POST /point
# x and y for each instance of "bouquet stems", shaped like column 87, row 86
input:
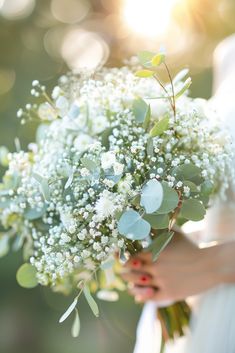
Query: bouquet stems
column 173, row 319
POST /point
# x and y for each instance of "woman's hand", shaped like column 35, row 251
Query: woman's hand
column 181, row 270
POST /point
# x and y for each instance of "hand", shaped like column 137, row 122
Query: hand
column 181, row 270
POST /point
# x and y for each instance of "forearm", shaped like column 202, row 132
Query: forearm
column 219, row 261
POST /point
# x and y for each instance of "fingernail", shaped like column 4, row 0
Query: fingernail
column 136, row 263
column 144, row 279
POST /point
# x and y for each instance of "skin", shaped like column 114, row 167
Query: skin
column 182, row 270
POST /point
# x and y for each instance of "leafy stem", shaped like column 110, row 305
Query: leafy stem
column 172, row 88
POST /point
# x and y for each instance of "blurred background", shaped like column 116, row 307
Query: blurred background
column 41, row 39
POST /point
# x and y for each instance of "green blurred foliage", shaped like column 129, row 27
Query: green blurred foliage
column 29, row 318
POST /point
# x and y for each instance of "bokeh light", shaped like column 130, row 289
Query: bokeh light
column 70, row 11
column 148, row 18
column 16, row 9
column 81, row 49
column 7, row 79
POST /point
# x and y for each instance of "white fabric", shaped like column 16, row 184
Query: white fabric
column 213, row 323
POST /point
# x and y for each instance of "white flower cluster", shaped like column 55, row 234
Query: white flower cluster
column 92, row 157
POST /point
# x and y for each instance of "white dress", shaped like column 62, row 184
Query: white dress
column 213, row 322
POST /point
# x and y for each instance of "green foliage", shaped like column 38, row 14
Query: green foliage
column 188, row 172
column 160, row 126
column 157, row 221
column 158, row 59
column 89, row 164
column 151, row 196
column 76, row 325
column 186, row 86
column 69, row 310
column 26, row 276
column 132, row 226
column 159, row 244
column 3, row 156
column 33, row 213
column 192, row 210
column 207, row 187
column 141, row 111
column 43, row 186
column 180, row 75
column 4, row 244
column 145, row 58
column 150, row 147
column 91, row 301
column 170, row 199
column 191, row 185
column 144, row 73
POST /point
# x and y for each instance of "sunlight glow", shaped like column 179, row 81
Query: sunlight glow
column 148, row 18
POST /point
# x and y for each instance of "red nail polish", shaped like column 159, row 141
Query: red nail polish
column 136, row 263
column 144, row 279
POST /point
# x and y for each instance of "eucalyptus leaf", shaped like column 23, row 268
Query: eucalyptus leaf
column 150, row 147
column 89, row 164
column 159, row 244
column 145, row 58
column 43, row 185
column 180, row 75
column 26, row 276
column 74, row 111
column 107, row 264
column 159, row 127
column 170, row 199
column 105, row 137
column 76, row 325
column 191, row 185
column 91, row 301
column 184, row 88
column 188, row 172
column 207, row 187
column 34, row 213
column 157, row 59
column 192, row 210
column 69, row 181
column 141, row 110
column 4, row 156
column 4, row 244
column 144, row 73
column 151, row 196
column 132, row 226
column 157, row 221
column 108, row 295
column 69, row 310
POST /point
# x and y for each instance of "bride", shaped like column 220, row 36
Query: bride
column 184, row 269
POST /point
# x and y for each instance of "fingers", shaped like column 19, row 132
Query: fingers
column 138, row 278
column 142, row 264
column 143, row 294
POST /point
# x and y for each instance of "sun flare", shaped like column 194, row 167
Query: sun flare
column 148, row 18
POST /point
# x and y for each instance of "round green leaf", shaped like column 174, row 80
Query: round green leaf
column 170, row 199
column 151, row 196
column 157, row 221
column 132, row 226
column 207, row 187
column 26, row 276
column 189, row 172
column 192, row 210
column 141, row 110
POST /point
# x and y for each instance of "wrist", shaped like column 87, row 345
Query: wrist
column 226, row 261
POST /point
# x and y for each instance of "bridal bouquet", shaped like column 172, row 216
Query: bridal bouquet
column 119, row 159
